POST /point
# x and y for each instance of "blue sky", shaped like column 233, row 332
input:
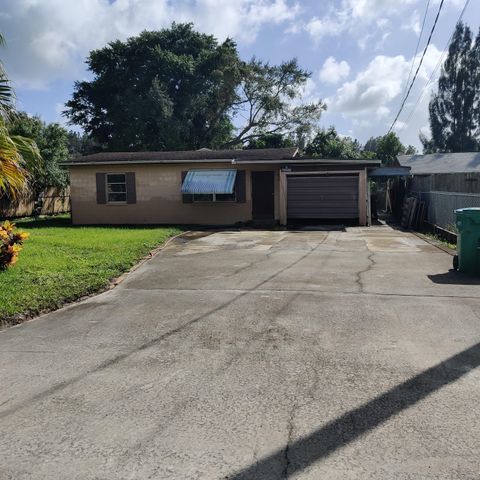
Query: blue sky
column 359, row 51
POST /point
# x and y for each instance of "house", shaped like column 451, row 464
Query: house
column 444, row 182
column 217, row 187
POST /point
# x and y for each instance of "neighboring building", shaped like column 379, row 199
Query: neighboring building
column 441, row 163
column 445, row 182
column 217, row 187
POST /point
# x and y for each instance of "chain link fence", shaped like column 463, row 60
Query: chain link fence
column 442, row 205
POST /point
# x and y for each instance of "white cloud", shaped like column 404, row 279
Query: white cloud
column 371, row 100
column 414, row 23
column 380, row 83
column 356, row 17
column 333, row 72
column 49, row 39
column 372, row 88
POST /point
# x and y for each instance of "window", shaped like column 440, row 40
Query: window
column 116, row 188
column 214, row 197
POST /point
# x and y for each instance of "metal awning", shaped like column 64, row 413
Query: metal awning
column 209, row 181
column 389, row 172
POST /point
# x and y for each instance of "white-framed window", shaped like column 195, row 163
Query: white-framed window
column 116, row 187
column 215, row 197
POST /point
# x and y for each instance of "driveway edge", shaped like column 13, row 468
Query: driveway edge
column 21, row 318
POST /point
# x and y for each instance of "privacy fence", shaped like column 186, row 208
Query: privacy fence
column 53, row 201
column 442, row 205
column 443, row 193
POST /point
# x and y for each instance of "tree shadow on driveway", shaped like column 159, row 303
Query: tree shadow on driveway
column 302, row 453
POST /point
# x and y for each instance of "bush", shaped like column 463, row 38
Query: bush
column 11, row 240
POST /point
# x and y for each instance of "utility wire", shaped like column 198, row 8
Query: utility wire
column 440, row 62
column 416, row 50
column 418, row 68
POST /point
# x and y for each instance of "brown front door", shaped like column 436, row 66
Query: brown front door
column 263, row 196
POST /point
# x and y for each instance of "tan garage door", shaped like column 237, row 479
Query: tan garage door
column 327, row 197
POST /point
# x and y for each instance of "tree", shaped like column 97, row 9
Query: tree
column 165, row 90
column 327, row 143
column 180, row 89
column 475, row 62
column 269, row 100
column 453, row 123
column 52, row 142
column 371, row 145
column 81, row 144
column 17, row 154
column 410, row 150
column 272, row 140
column 389, row 147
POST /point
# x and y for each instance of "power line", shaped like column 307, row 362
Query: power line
column 416, row 50
column 440, row 62
column 418, row 68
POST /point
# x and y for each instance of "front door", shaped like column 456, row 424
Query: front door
column 263, row 196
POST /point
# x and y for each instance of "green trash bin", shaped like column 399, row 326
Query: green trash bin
column 468, row 241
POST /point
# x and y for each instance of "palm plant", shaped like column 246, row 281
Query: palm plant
column 18, row 155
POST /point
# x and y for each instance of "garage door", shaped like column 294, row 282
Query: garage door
column 317, row 197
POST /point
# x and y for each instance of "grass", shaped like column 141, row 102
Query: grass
column 60, row 262
column 432, row 236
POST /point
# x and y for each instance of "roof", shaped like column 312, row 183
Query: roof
column 287, row 155
column 442, row 162
column 201, row 156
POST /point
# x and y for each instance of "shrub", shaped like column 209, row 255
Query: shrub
column 11, row 240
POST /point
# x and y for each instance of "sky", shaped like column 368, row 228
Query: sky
column 360, row 52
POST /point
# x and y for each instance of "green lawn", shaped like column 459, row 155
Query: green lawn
column 60, row 262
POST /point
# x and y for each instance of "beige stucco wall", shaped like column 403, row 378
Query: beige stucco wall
column 159, row 199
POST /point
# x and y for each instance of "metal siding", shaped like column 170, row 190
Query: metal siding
column 329, row 197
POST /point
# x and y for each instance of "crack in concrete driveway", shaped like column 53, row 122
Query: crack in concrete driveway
column 294, row 356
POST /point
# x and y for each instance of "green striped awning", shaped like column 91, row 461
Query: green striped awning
column 209, row 181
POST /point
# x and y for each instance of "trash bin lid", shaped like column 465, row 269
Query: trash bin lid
column 469, row 212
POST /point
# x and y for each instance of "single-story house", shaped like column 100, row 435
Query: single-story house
column 217, row 187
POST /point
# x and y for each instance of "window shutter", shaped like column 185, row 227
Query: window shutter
column 131, row 187
column 186, row 197
column 240, row 187
column 101, row 188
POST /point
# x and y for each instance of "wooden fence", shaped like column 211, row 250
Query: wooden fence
column 443, row 193
column 54, row 201
column 447, row 182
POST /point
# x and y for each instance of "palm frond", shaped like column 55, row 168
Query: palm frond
column 18, row 157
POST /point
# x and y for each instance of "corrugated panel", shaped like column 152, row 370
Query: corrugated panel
column 209, row 181
column 442, row 162
column 389, row 172
column 313, row 197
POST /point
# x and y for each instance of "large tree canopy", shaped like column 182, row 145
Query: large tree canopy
column 180, row 89
column 170, row 89
column 455, row 108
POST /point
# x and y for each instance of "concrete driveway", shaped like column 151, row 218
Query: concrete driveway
column 254, row 355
